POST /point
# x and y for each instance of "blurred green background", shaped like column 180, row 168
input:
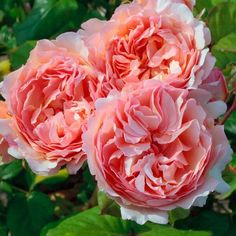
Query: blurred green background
column 63, row 205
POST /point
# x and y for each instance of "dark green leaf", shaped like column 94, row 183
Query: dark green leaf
column 211, row 221
column 230, row 178
column 48, row 17
column 11, row 170
column 233, row 162
column 27, row 215
column 230, row 124
column 7, row 40
column 21, row 54
column 3, row 230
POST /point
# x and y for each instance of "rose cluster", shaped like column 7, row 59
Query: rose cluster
column 136, row 96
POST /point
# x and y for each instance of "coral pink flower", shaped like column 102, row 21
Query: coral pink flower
column 216, row 84
column 153, row 148
column 146, row 39
column 49, row 100
column 189, row 3
column 3, row 143
column 3, row 110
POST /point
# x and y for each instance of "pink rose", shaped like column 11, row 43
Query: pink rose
column 3, row 143
column 49, row 100
column 158, row 39
column 153, row 148
column 3, row 110
column 189, row 3
column 216, row 84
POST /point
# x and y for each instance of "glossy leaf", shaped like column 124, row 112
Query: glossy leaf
column 91, row 223
column 11, row 170
column 47, row 18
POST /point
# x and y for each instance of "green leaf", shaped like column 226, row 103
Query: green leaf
column 1, row 15
column 48, row 17
column 27, row 215
column 225, row 50
column 233, row 162
column 178, row 214
column 216, row 2
column 105, row 225
column 11, row 170
column 230, row 124
column 56, row 179
column 7, row 39
column 107, row 205
column 203, row 4
column 157, row 230
column 222, row 20
column 80, row 224
column 3, row 230
column 5, row 187
column 230, row 178
column 207, row 220
column 20, row 55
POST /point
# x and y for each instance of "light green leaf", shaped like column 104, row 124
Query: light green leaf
column 222, row 20
column 178, row 214
column 107, row 205
column 80, row 224
column 56, row 179
column 216, row 2
column 91, row 223
column 225, row 50
column 157, row 230
column 5, row 187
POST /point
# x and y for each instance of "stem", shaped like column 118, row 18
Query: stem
column 20, row 189
column 229, row 112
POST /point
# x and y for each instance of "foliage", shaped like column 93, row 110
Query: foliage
column 60, row 205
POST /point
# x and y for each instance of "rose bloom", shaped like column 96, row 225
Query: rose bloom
column 189, row 3
column 3, row 143
column 153, row 148
column 146, row 39
column 216, row 84
column 49, row 100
